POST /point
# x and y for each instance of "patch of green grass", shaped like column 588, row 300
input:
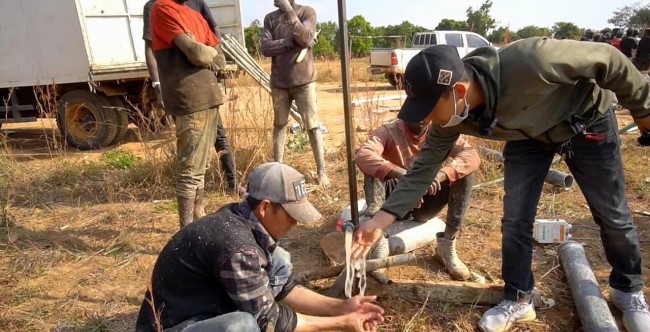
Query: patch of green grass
column 298, row 142
column 149, row 173
column 164, row 207
column 120, row 159
column 69, row 173
column 24, row 294
column 85, row 323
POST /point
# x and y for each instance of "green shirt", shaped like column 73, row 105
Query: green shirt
column 533, row 86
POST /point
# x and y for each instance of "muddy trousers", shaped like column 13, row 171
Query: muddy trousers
column 457, row 196
column 226, row 157
column 598, row 170
column 195, row 135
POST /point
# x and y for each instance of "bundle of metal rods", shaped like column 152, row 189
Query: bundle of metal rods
column 238, row 53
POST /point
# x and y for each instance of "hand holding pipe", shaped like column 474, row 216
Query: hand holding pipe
column 303, row 52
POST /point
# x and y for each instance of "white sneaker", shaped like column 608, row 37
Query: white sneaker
column 506, row 313
column 636, row 316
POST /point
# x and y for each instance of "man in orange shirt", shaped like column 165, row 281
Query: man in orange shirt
column 389, row 152
column 185, row 50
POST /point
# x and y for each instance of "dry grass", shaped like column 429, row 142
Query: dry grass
column 79, row 236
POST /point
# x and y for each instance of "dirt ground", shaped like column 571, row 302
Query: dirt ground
column 79, row 236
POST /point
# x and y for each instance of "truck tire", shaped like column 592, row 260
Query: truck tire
column 395, row 80
column 122, row 115
column 86, row 120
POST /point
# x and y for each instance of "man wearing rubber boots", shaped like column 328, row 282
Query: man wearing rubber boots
column 390, row 150
column 542, row 96
column 287, row 32
column 185, row 50
column 226, row 272
column 221, row 144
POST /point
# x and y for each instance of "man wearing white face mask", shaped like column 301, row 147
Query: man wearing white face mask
column 543, row 97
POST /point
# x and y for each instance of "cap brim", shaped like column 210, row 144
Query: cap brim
column 302, row 211
column 416, row 110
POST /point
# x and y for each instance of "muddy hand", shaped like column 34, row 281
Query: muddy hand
column 359, row 302
column 369, row 232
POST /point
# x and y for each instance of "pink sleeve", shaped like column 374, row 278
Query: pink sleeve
column 369, row 157
column 464, row 160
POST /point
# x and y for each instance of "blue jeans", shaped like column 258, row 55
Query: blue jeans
column 242, row 321
column 598, row 170
column 232, row 322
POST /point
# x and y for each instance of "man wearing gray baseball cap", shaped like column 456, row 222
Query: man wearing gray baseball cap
column 225, row 271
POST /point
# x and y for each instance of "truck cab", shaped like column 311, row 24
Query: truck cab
column 392, row 62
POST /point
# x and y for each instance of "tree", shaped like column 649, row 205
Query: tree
column 405, row 29
column 323, row 48
column 480, row 21
column 502, row 35
column 360, row 32
column 640, row 19
column 253, row 38
column 566, row 30
column 533, row 31
column 329, row 31
column 447, row 24
column 623, row 16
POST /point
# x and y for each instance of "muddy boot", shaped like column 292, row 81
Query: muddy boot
column 185, row 210
column 446, row 254
column 375, row 192
column 238, row 191
column 199, row 204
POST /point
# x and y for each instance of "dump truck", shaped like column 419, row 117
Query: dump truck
column 82, row 62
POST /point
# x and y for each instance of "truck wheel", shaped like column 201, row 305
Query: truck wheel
column 122, row 114
column 86, row 120
column 395, row 80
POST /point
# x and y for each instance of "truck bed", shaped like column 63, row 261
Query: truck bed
column 57, row 42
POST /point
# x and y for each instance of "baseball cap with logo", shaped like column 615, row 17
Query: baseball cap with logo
column 281, row 184
column 428, row 75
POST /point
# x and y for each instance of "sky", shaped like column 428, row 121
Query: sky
column 428, row 13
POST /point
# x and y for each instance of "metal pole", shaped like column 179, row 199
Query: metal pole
column 347, row 107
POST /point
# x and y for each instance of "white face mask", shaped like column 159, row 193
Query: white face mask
column 455, row 118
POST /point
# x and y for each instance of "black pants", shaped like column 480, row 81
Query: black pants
column 226, row 157
column 457, row 196
column 598, row 170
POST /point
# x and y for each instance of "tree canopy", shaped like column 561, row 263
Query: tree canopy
column 566, row 30
column 364, row 36
column 480, row 21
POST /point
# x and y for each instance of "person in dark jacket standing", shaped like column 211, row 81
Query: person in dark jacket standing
column 287, row 32
column 628, row 44
column 221, row 144
column 226, row 272
column 543, row 97
column 642, row 59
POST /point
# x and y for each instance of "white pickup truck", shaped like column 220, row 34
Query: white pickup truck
column 85, row 58
column 391, row 62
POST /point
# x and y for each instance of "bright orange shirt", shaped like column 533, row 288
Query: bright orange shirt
column 170, row 19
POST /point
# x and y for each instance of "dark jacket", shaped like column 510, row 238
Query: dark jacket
column 216, row 265
column 533, row 88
